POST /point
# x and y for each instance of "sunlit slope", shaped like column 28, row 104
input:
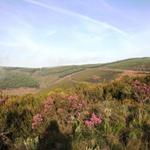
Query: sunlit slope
column 13, row 77
column 139, row 64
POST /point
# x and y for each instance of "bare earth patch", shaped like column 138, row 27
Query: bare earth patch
column 20, row 91
column 131, row 73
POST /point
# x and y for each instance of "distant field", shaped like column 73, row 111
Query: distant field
column 25, row 77
column 139, row 64
column 95, row 75
column 58, row 71
column 64, row 76
column 16, row 80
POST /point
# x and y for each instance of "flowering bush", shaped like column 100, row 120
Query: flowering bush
column 66, row 109
column 73, row 98
column 141, row 91
column 93, row 121
column 37, row 120
column 75, row 103
column 2, row 101
column 76, row 113
column 48, row 104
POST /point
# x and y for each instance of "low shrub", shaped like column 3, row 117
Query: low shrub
column 89, row 116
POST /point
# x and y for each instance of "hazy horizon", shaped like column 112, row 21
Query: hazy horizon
column 40, row 33
column 53, row 66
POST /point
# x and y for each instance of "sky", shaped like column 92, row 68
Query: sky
column 42, row 33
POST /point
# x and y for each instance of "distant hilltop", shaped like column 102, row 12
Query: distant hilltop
column 43, row 78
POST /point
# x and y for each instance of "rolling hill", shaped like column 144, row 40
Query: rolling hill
column 138, row 64
column 43, row 78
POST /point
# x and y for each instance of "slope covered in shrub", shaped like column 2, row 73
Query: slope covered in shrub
column 16, row 80
column 113, row 115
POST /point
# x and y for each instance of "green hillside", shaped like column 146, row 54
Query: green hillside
column 76, row 107
column 14, row 77
column 95, row 75
column 16, row 80
column 131, row 64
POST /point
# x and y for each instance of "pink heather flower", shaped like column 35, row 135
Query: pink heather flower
column 48, row 104
column 89, row 123
column 80, row 105
column 95, row 119
column 73, row 97
column 37, row 120
column 142, row 91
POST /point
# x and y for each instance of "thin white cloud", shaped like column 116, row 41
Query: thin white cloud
column 89, row 41
column 106, row 5
column 75, row 14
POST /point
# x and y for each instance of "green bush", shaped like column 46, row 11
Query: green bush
column 118, row 90
column 90, row 91
column 17, row 80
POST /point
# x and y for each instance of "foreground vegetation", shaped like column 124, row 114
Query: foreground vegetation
column 114, row 115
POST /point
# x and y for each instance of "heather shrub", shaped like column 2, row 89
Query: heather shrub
column 90, row 116
column 16, row 116
column 141, row 91
column 90, row 91
column 18, row 122
column 120, row 91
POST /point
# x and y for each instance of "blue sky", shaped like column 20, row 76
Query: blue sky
column 37, row 33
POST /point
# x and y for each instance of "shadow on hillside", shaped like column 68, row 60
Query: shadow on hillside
column 53, row 139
